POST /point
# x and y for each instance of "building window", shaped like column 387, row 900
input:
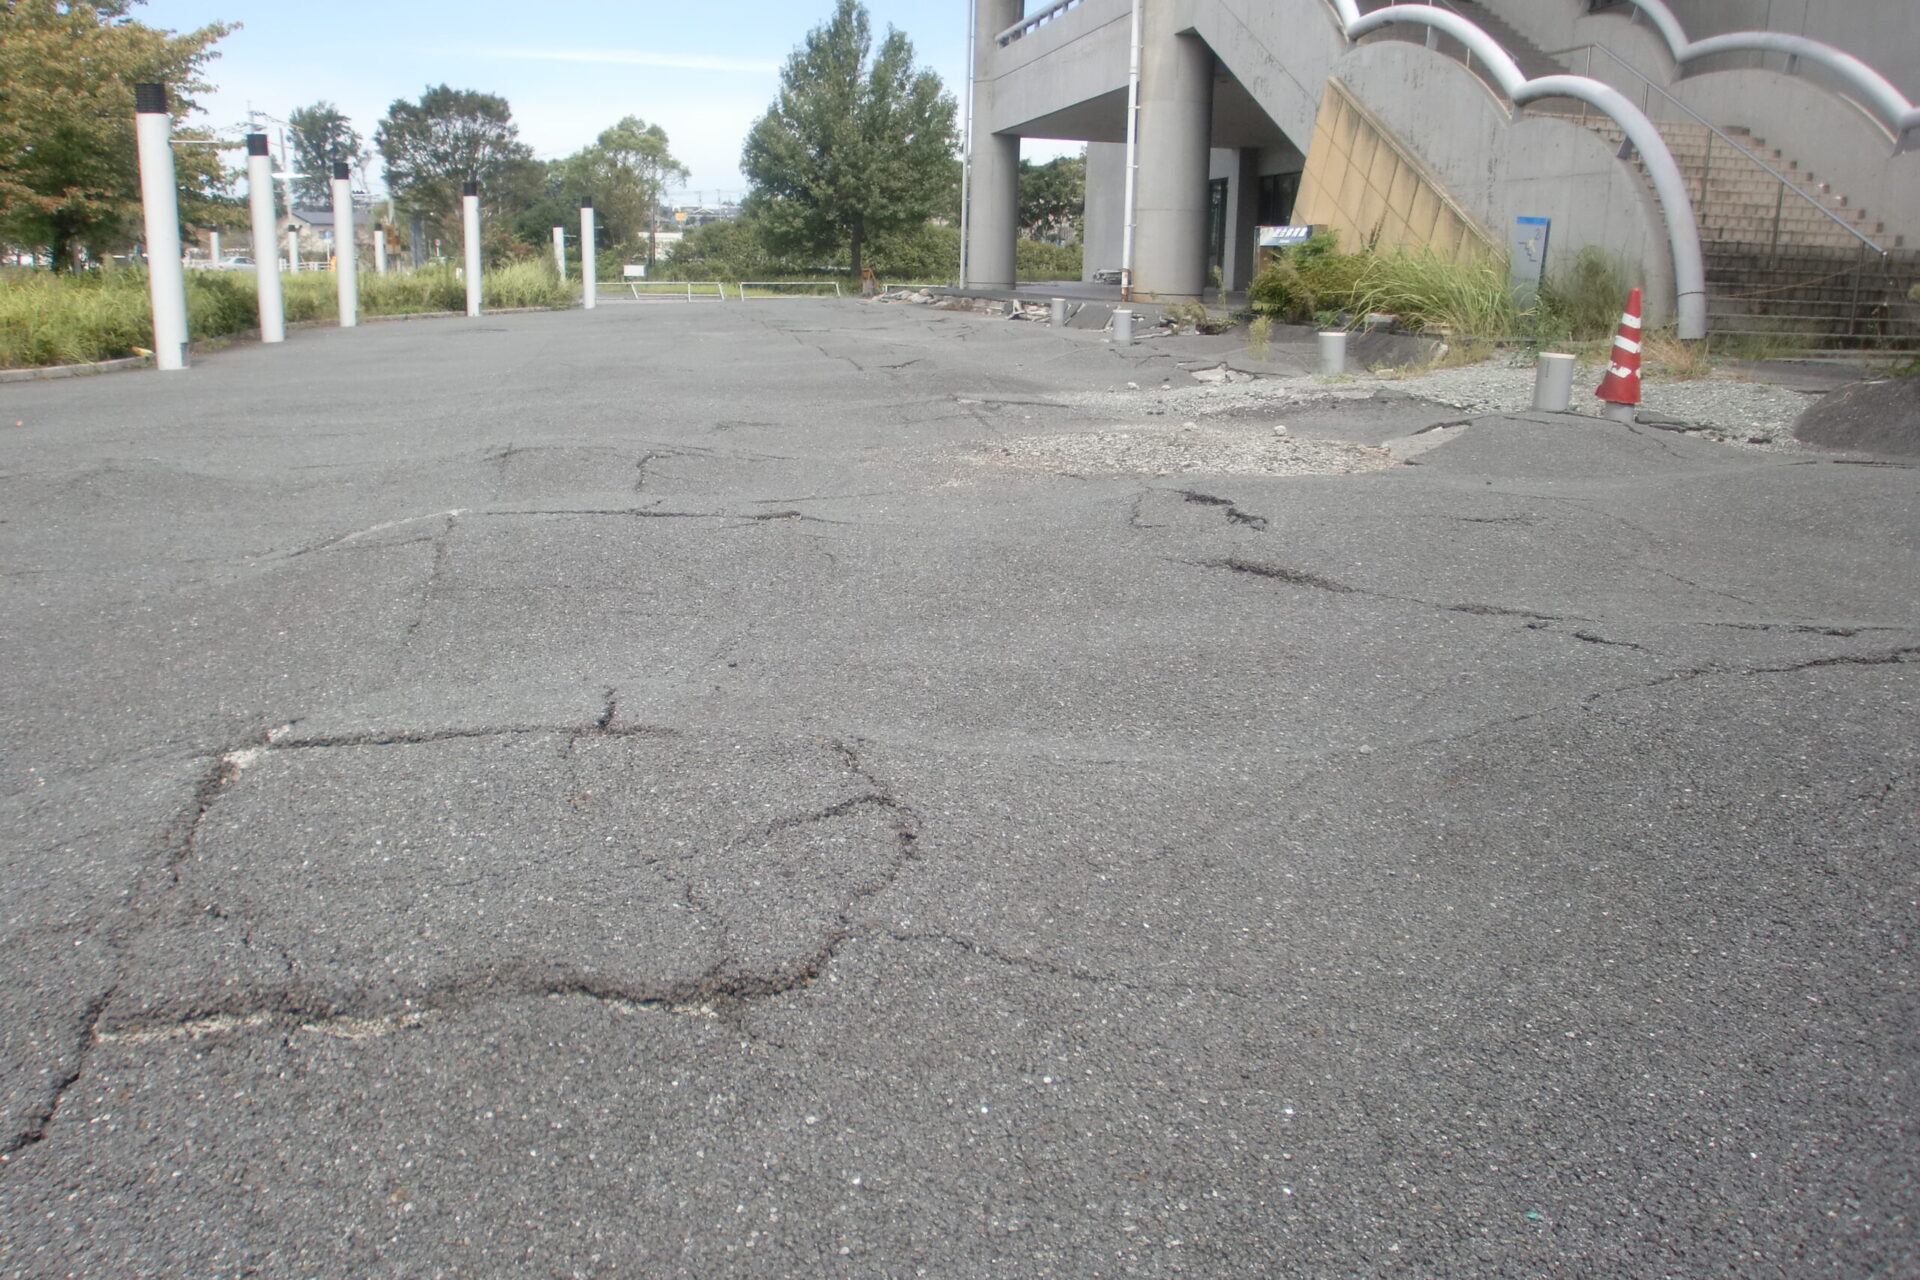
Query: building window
column 1277, row 193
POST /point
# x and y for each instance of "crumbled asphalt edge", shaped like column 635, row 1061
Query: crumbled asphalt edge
column 1722, row 409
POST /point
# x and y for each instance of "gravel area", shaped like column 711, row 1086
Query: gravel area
column 1734, row 412
column 1239, row 450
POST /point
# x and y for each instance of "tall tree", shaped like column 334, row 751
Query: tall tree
column 450, row 137
column 854, row 145
column 69, row 171
column 636, row 166
column 322, row 137
column 1052, row 197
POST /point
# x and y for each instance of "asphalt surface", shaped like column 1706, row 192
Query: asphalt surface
column 646, row 793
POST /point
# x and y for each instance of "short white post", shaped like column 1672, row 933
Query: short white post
column 1333, row 351
column 587, row 277
column 379, row 251
column 1553, row 382
column 1059, row 313
column 1123, row 326
column 560, row 252
column 346, row 254
column 160, row 207
column 266, row 249
column 213, row 246
column 470, row 224
column 293, row 248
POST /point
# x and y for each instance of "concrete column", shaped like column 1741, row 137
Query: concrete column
column 470, row 227
column 589, row 273
column 266, row 245
column 1176, row 125
column 346, row 258
column 1106, row 207
column 160, row 210
column 993, row 182
column 1243, row 216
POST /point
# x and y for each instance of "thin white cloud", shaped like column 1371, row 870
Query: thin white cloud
column 633, row 58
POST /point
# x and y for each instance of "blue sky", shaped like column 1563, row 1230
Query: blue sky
column 702, row 71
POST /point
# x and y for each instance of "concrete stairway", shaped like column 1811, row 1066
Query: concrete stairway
column 1781, row 272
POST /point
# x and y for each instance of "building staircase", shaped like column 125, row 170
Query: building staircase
column 1791, row 265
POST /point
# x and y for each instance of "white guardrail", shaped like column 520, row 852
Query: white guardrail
column 673, row 289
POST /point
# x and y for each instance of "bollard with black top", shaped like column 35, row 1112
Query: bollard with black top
column 266, row 245
column 160, row 209
column 470, row 225
column 346, row 258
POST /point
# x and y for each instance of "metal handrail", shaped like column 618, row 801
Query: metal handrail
column 1034, row 21
column 1683, row 231
column 1720, row 133
column 1884, row 103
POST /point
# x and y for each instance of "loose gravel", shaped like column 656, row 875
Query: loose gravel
column 1232, row 451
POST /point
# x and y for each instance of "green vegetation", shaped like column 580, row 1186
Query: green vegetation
column 52, row 319
column 1468, row 297
column 69, row 177
column 859, row 143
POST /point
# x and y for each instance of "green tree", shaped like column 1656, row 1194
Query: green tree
column 451, row 137
column 322, row 137
column 1052, row 198
column 632, row 167
column 69, row 167
column 854, row 146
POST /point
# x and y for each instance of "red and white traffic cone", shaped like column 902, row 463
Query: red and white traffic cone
column 1621, row 387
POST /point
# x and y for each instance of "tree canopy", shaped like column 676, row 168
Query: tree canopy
column 322, row 137
column 1052, row 198
column 69, row 167
column 451, row 137
column 857, row 144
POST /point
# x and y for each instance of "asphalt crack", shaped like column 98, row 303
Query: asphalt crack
column 86, row 1040
column 1280, row 573
column 1233, row 513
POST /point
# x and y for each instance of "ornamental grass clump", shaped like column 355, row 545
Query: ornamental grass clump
column 1466, row 297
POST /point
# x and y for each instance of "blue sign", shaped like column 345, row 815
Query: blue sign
column 1281, row 237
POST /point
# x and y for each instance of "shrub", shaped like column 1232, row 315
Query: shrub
column 1038, row 260
column 1585, row 299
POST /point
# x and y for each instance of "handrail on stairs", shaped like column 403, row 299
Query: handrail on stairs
column 1885, row 104
column 1787, row 183
column 1683, row 231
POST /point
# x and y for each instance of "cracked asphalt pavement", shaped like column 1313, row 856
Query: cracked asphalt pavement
column 654, row 792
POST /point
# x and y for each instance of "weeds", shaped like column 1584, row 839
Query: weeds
column 48, row 319
column 1678, row 361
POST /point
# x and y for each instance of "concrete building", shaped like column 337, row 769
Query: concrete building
column 1261, row 112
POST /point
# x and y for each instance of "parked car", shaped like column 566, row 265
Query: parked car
column 236, row 262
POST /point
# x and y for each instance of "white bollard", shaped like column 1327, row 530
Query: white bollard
column 346, row 254
column 1619, row 412
column 379, row 251
column 1123, row 326
column 293, row 248
column 560, row 252
column 1059, row 313
column 470, row 225
column 266, row 252
column 587, row 278
column 1553, row 382
column 214, row 247
column 160, row 208
column 1333, row 351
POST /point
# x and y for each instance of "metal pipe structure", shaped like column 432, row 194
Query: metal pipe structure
column 560, row 252
column 1683, row 230
column 966, row 132
column 160, row 208
column 1873, row 91
column 1133, row 159
column 266, row 249
column 470, row 227
column 346, row 259
column 588, row 278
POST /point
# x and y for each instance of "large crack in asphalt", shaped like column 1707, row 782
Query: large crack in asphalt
column 86, row 1040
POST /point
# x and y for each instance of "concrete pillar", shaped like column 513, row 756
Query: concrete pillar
column 1176, row 126
column 470, row 229
column 346, row 257
column 1106, row 207
column 993, row 180
column 1243, row 217
column 589, row 273
column 160, row 211
column 266, row 245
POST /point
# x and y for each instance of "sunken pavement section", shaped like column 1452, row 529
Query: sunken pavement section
column 820, row 788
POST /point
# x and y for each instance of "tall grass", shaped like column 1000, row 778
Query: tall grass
column 48, row 319
column 1469, row 297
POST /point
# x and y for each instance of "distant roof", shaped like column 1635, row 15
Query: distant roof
column 315, row 217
